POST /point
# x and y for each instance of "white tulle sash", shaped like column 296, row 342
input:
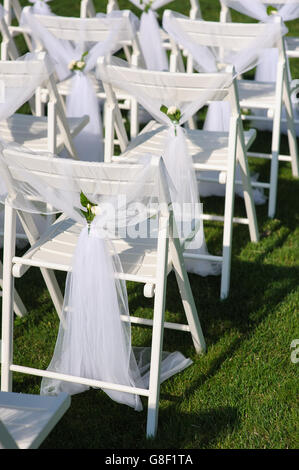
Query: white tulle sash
column 94, row 341
column 82, row 98
column 40, row 7
column 150, row 35
column 266, row 70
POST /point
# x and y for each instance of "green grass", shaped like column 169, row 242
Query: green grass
column 243, row 393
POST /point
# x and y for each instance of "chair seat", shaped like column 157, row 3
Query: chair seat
column 206, row 151
column 254, row 94
column 32, row 131
column 30, row 418
column 55, row 250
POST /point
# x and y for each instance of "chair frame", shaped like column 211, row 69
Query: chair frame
column 129, row 43
column 13, row 8
column 282, row 97
column 168, row 244
column 236, row 152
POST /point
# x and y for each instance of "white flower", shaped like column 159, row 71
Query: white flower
column 96, row 210
column 80, row 64
column 72, row 64
column 273, row 12
column 172, row 110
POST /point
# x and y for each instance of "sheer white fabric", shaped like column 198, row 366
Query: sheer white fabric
column 93, row 340
column 150, row 34
column 289, row 10
column 212, row 59
column 175, row 154
column 14, row 97
column 267, row 68
column 82, row 99
column 40, row 7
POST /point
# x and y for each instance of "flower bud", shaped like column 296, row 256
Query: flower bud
column 80, row 64
column 72, row 64
column 96, row 210
column 172, row 110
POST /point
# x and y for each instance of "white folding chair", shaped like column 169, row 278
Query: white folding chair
column 95, row 31
column 51, row 133
column 144, row 260
column 88, row 10
column 255, row 95
column 291, row 42
column 26, row 420
column 209, row 150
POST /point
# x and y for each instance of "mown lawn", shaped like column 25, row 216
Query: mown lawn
column 243, row 393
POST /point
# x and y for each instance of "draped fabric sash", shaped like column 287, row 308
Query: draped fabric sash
column 40, row 7
column 211, row 59
column 150, row 34
column 267, row 68
column 82, row 98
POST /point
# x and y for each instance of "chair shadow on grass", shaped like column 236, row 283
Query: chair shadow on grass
column 96, row 422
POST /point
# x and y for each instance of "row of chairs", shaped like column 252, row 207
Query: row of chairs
column 272, row 98
column 220, row 152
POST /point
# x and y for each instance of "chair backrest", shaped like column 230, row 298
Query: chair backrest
column 15, row 74
column 65, row 175
column 225, row 15
column 189, row 88
column 230, row 36
column 90, row 29
column 20, row 79
column 242, row 42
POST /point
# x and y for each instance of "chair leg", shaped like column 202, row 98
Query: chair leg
column 292, row 138
column 247, row 188
column 229, row 211
column 134, row 112
column 157, row 335
column 275, row 147
column 7, row 300
column 53, row 289
column 187, row 296
column 274, row 165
